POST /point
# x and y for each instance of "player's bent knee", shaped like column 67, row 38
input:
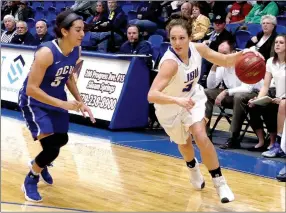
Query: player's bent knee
column 56, row 140
column 63, row 138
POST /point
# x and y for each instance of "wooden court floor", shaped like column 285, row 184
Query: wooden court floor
column 92, row 174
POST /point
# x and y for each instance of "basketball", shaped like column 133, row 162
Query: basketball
column 250, row 68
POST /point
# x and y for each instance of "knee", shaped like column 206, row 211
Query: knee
column 201, row 139
column 62, row 139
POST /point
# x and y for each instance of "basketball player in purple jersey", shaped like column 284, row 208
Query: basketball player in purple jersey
column 43, row 99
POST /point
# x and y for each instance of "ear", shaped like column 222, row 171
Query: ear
column 64, row 32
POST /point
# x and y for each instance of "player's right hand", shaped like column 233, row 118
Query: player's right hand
column 187, row 103
column 71, row 105
column 250, row 104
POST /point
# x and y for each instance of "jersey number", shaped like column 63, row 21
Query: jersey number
column 57, row 81
column 188, row 87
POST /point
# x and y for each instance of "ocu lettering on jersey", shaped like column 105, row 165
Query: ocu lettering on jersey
column 64, row 70
column 192, row 75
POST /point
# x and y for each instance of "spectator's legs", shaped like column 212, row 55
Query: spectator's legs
column 281, row 116
column 257, row 123
column 211, row 95
column 102, row 46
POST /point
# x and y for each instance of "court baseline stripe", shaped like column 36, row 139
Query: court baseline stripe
column 43, row 206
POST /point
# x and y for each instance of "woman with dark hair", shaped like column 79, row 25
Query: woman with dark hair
column 273, row 113
column 180, row 102
column 43, row 99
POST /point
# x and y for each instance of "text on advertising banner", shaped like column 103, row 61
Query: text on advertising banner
column 100, row 81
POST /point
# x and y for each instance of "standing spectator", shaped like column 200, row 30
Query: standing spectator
column 42, row 34
column 215, row 8
column 200, row 23
column 264, row 40
column 23, row 36
column 10, row 26
column 261, row 8
column 237, row 12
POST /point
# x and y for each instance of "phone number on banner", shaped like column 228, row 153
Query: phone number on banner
column 99, row 101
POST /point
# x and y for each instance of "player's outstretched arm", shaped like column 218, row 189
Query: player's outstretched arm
column 166, row 71
column 36, row 75
column 221, row 59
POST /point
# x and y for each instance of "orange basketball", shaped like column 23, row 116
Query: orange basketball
column 250, row 68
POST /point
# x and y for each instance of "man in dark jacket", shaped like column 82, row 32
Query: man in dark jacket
column 213, row 40
column 42, row 34
column 113, row 27
column 22, row 35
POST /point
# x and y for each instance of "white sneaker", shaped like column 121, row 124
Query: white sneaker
column 196, row 177
column 223, row 189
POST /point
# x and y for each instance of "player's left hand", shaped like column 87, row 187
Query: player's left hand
column 254, row 51
column 219, row 98
column 85, row 109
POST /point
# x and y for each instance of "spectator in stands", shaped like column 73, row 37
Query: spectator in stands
column 116, row 23
column 99, row 17
column 42, row 34
column 187, row 10
column 147, row 16
column 225, row 89
column 213, row 40
column 24, row 12
column 135, row 44
column 10, row 26
column 200, row 23
column 11, row 8
column 275, row 68
column 214, row 8
column 22, row 35
column 238, row 12
column 264, row 40
column 261, row 8
column 83, row 8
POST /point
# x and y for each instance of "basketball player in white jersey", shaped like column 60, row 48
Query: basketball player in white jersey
column 180, row 102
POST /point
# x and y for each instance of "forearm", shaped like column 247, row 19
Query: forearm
column 263, row 92
column 38, row 94
column 231, row 59
column 158, row 97
column 71, row 85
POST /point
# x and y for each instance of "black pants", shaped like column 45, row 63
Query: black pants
column 238, row 102
column 269, row 115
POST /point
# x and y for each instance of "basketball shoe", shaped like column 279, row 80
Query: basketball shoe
column 197, row 179
column 223, row 190
column 44, row 175
column 30, row 188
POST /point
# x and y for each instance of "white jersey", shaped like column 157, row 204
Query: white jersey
column 175, row 119
column 184, row 82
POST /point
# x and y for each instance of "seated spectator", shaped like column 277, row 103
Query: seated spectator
column 214, row 8
column 10, row 26
column 225, row 89
column 264, row 40
column 116, row 23
column 261, row 8
column 42, row 34
column 83, row 8
column 200, row 23
column 238, row 12
column 24, row 12
column 99, row 17
column 187, row 10
column 134, row 44
column 11, row 8
column 22, row 35
column 275, row 68
column 147, row 16
column 213, row 40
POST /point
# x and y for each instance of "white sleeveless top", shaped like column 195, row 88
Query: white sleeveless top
column 184, row 82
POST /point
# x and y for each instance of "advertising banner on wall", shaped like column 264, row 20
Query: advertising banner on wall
column 100, row 81
column 15, row 66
